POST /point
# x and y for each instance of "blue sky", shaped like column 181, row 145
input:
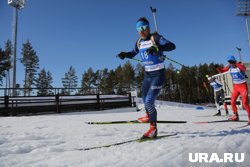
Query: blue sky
column 90, row 33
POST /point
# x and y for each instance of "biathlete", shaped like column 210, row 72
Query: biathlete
column 219, row 95
column 237, row 71
column 150, row 47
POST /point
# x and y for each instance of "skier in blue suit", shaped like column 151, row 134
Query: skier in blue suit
column 219, row 94
column 150, row 46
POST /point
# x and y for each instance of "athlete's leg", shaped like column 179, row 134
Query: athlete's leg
column 155, row 87
column 234, row 97
column 244, row 94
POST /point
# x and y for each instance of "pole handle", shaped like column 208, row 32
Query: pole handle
column 153, row 10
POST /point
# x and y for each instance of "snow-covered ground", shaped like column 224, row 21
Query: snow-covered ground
column 52, row 140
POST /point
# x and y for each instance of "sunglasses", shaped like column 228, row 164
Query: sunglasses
column 231, row 62
column 142, row 28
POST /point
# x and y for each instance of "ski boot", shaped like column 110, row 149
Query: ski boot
column 218, row 113
column 144, row 119
column 152, row 132
column 235, row 117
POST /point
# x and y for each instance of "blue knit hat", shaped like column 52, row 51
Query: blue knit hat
column 231, row 58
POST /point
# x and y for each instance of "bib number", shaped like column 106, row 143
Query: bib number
column 144, row 55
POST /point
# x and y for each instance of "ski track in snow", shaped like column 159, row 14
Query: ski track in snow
column 52, row 140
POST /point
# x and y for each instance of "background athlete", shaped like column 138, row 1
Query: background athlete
column 219, row 94
column 237, row 71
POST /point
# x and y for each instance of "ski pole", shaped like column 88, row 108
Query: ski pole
column 184, row 66
column 153, row 10
column 167, row 58
column 189, row 69
column 239, row 50
column 134, row 59
column 171, row 60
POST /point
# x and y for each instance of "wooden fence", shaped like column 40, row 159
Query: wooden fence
column 58, row 102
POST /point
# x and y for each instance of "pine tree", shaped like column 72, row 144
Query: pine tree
column 110, row 82
column 49, row 83
column 139, row 75
column 5, row 64
column 43, row 83
column 2, row 65
column 168, row 93
column 8, row 51
column 202, row 93
column 118, row 80
column 70, row 81
column 88, row 81
column 185, row 84
column 104, row 83
column 128, row 74
column 30, row 61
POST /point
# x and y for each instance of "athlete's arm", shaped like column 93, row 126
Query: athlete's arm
column 133, row 52
column 221, row 70
column 163, row 44
column 241, row 67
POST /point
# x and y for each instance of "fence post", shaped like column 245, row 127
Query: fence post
column 6, row 101
column 134, row 103
column 57, row 103
column 130, row 99
column 6, row 104
column 13, row 109
column 98, row 101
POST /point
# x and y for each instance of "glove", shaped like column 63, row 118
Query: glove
column 122, row 55
column 153, row 49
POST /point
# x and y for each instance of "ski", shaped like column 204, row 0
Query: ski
column 219, row 116
column 220, row 121
column 139, row 140
column 243, row 126
column 132, row 122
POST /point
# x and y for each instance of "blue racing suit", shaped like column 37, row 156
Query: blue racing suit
column 154, row 76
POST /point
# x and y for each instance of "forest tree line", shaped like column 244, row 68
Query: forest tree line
column 186, row 84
